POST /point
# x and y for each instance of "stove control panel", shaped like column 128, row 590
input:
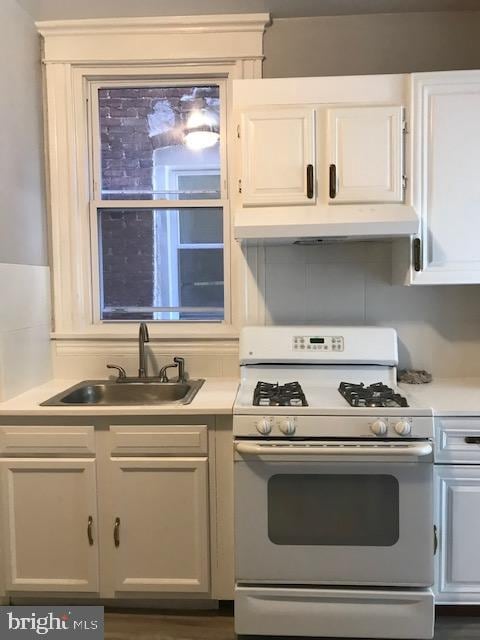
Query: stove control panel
column 305, row 344
column 333, row 426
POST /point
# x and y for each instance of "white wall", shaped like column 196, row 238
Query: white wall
column 24, row 278
column 350, row 283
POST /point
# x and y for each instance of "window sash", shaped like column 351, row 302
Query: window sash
column 136, row 82
column 96, row 201
column 96, row 266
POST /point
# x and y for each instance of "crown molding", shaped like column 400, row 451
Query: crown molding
column 167, row 24
column 160, row 38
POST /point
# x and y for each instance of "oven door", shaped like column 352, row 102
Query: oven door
column 334, row 513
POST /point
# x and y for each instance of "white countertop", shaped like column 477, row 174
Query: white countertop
column 216, row 396
column 448, row 396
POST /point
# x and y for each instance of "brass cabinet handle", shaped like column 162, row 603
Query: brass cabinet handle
column 116, row 532
column 90, row 530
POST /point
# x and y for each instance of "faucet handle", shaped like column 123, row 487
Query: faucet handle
column 121, row 371
column 163, row 372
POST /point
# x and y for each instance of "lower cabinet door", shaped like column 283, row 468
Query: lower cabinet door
column 458, row 518
column 160, row 524
column 50, row 524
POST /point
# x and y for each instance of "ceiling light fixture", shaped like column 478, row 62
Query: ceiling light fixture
column 202, row 130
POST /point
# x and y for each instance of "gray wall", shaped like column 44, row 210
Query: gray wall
column 379, row 43
column 22, row 201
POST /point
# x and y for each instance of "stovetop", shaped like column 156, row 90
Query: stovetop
column 268, row 394
column 319, row 386
column 373, row 395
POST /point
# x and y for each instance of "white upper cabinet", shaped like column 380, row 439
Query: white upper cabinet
column 365, row 154
column 446, row 177
column 278, row 156
column 320, row 157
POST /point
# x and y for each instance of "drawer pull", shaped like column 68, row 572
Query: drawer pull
column 472, row 439
column 90, row 530
column 116, row 532
column 435, row 540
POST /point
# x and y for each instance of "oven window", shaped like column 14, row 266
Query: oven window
column 340, row 510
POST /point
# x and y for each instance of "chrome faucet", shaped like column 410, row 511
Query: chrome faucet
column 143, row 337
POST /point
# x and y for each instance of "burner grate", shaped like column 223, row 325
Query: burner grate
column 269, row 394
column 375, row 395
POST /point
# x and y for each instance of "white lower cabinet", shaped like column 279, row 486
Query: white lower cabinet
column 50, row 524
column 458, row 516
column 150, row 533
column 160, row 524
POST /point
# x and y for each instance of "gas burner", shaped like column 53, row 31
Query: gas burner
column 375, row 395
column 267, row 394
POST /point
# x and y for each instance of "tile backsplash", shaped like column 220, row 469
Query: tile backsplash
column 25, row 359
column 350, row 283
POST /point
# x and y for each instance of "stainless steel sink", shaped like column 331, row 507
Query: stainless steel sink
column 109, row 393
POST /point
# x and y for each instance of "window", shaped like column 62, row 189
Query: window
column 93, row 298
column 154, row 147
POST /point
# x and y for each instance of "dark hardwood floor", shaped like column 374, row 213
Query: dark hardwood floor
column 218, row 625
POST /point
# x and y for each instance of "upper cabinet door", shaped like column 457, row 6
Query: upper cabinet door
column 278, row 156
column 446, row 177
column 365, row 148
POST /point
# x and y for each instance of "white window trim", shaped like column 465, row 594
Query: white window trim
column 76, row 52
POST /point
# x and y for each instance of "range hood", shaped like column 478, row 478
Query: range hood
column 346, row 221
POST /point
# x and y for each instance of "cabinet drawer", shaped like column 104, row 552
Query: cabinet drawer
column 40, row 440
column 451, row 435
column 154, row 440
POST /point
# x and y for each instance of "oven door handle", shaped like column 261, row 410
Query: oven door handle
column 417, row 450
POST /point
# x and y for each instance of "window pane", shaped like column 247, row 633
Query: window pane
column 201, row 226
column 333, row 509
column 146, row 274
column 151, row 135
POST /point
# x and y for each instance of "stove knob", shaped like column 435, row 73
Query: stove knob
column 403, row 428
column 379, row 428
column 264, row 427
column 288, row 426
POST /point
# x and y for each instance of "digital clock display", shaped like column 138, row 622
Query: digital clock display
column 317, row 340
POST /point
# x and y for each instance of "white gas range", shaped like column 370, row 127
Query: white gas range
column 334, row 530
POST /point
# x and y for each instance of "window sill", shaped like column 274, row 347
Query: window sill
column 158, row 332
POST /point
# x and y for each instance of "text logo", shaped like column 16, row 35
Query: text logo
column 83, row 623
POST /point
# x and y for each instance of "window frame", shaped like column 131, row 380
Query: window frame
column 97, row 203
column 221, row 47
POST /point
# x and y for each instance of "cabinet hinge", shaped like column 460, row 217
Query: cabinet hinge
column 404, row 182
column 238, row 131
column 417, row 254
column 405, row 126
column 239, row 186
